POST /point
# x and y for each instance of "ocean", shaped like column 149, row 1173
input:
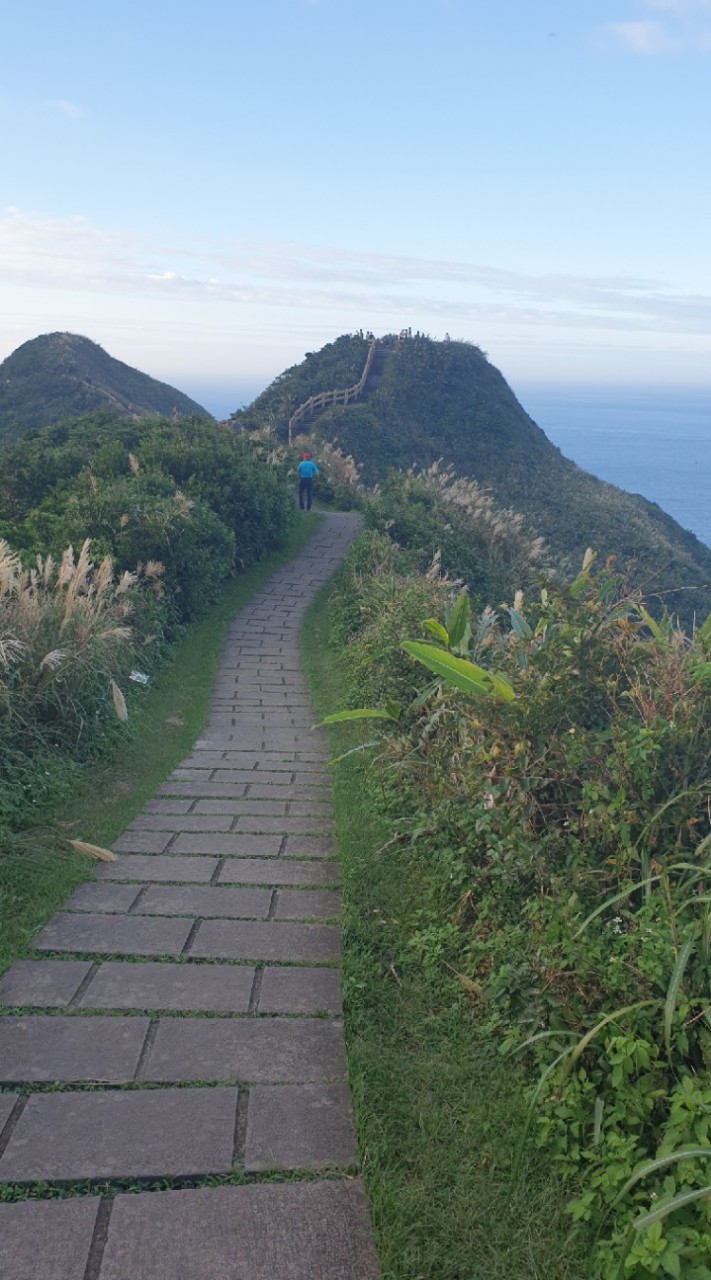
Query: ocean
column 656, row 442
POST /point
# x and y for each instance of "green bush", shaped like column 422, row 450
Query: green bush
column 199, row 500
column 570, row 831
column 372, row 605
column 70, row 634
column 437, row 514
column 171, row 509
column 232, row 474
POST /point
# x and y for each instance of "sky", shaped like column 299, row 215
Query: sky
column 210, row 190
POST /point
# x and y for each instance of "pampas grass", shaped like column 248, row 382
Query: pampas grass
column 92, row 850
column 67, row 640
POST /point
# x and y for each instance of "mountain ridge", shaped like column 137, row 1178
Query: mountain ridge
column 444, row 401
column 65, row 375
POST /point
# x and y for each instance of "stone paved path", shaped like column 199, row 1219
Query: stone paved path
column 181, row 1019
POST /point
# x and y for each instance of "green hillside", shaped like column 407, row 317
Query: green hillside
column 444, row 400
column 338, row 364
column 62, row 375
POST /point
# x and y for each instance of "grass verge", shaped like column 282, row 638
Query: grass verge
column 38, row 869
column 439, row 1113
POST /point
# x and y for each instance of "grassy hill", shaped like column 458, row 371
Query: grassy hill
column 444, row 400
column 338, row 364
column 63, row 375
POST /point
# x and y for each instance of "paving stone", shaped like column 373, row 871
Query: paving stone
column 70, row 1049
column 203, row 760
column 298, row 846
column 246, row 739
column 314, row 766
column 294, row 719
column 303, row 777
column 44, row 983
column 168, row 804
column 277, row 871
column 300, row 990
column 284, row 825
column 249, row 940
column 7, row 1106
column 300, row 904
column 159, row 867
column 293, row 1231
column 236, row 777
column 193, row 988
column 251, row 846
column 282, row 739
column 200, row 789
column 214, row 740
column 322, row 813
column 279, row 760
column 143, row 842
column 265, row 1051
column 287, row 791
column 120, row 1134
column 124, row 935
column 306, row 1126
column 234, row 904
column 191, row 775
column 179, row 822
column 250, row 804
column 46, row 1239
column 103, row 897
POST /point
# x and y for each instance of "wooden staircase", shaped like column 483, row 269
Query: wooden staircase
column 307, row 413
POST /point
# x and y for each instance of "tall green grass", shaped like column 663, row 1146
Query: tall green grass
column 439, row 1113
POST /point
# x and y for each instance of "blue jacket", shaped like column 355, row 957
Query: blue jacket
column 307, row 469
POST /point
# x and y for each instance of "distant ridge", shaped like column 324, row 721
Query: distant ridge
column 63, row 375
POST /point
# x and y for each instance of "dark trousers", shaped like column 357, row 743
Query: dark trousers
column 306, row 489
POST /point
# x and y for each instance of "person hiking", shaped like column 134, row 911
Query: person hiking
column 307, row 470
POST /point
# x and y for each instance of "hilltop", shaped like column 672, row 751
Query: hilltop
column 444, row 400
column 63, row 375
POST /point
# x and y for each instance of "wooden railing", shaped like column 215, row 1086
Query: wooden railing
column 326, row 398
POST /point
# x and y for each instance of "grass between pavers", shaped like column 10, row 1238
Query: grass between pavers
column 108, row 1189
column 27, row 1089
column 134, row 957
column 38, row 870
column 439, row 1113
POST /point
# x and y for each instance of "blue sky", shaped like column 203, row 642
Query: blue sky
column 211, row 190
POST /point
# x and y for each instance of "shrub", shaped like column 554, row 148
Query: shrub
column 437, row 512
column 234, row 474
column 68, row 641
column 201, row 500
column 570, row 829
column 136, row 519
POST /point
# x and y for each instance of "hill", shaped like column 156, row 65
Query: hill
column 63, row 375
column 444, row 400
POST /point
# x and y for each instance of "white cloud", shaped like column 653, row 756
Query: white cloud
column 40, row 256
column 681, row 29
column 678, row 6
column 68, row 109
column 644, row 37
